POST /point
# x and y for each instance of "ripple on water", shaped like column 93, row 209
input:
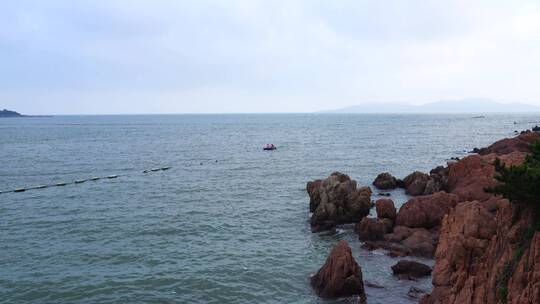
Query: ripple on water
column 235, row 231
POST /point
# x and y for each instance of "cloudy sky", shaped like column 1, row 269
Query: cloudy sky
column 158, row 56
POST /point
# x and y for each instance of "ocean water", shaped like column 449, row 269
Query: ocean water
column 228, row 223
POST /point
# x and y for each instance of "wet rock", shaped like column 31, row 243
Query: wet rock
column 312, row 189
column 536, row 128
column 385, row 209
column 373, row 285
column 340, row 276
column 385, row 181
column 415, row 183
column 426, row 211
column 384, row 194
column 337, row 199
column 323, row 226
column 371, row 229
column 416, row 293
column 411, row 269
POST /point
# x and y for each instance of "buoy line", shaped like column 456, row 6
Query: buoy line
column 81, row 181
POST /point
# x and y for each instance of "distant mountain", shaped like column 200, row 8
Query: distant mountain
column 444, row 106
column 7, row 113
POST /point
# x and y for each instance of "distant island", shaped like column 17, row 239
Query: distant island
column 470, row 105
column 7, row 113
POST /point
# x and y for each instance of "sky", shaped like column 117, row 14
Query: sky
column 245, row 56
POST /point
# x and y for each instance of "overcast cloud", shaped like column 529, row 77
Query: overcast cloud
column 66, row 57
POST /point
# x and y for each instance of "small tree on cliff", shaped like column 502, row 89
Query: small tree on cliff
column 520, row 184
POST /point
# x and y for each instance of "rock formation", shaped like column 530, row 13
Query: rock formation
column 411, row 269
column 426, row 211
column 416, row 225
column 385, row 181
column 337, row 200
column 508, row 145
column 385, row 209
column 340, row 276
column 415, row 183
column 488, row 250
column 419, row 183
column 371, row 229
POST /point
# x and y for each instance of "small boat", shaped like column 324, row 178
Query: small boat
column 269, row 147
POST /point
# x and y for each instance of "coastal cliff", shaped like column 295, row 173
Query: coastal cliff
column 489, row 248
column 486, row 248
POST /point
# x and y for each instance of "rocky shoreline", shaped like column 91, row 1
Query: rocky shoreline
column 472, row 235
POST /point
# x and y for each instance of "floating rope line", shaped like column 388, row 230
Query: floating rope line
column 81, row 181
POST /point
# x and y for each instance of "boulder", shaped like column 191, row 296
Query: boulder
column 340, row 276
column 415, row 183
column 385, row 209
column 416, row 293
column 426, row 211
column 399, row 234
column 432, row 186
column 337, row 200
column 421, row 242
column 439, row 172
column 411, row 269
column 385, row 181
column 404, row 241
column 371, row 229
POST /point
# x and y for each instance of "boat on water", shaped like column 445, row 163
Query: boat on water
column 269, row 147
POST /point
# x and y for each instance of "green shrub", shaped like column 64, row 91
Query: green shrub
column 520, row 184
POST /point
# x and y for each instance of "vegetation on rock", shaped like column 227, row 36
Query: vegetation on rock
column 520, row 184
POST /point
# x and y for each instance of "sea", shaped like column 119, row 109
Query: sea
column 225, row 222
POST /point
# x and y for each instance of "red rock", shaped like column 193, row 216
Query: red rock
column 415, row 183
column 399, row 234
column 508, row 145
column 421, row 242
column 370, row 229
column 474, row 247
column 337, row 200
column 340, row 276
column 412, row 269
column 385, row 181
column 483, row 254
column 385, row 209
column 469, row 177
column 426, row 211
